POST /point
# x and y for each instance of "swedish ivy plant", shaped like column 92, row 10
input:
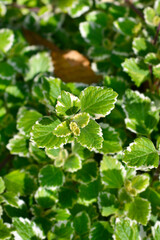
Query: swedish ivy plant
column 79, row 161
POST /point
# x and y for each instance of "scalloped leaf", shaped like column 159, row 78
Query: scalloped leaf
column 62, row 130
column 42, row 133
column 81, row 119
column 97, row 101
column 26, row 119
column 67, row 104
column 51, row 177
column 81, row 223
column 141, row 154
column 126, row 229
column 73, row 163
column 140, row 210
column 137, row 73
column 91, row 136
column 18, row 145
column 142, row 115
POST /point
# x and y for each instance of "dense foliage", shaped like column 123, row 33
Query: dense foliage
column 80, row 161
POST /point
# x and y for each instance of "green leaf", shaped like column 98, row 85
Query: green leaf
column 81, row 223
column 91, row 32
column 100, row 230
column 4, row 230
column 81, row 119
column 19, row 182
column 45, row 197
column 125, row 26
column 63, row 230
column 67, row 197
column 97, row 101
column 39, row 63
column 53, row 153
column 98, row 17
column 140, row 183
column 91, row 136
column 62, row 130
column 157, row 7
column 7, row 72
column 141, row 154
column 79, row 8
column 139, row 45
column 111, row 143
column 156, row 231
column 42, row 133
column 138, row 73
column 88, row 173
column 6, row 39
column 141, row 113
column 2, row 185
column 18, row 145
column 89, row 192
column 156, row 71
column 11, row 199
column 107, row 204
column 74, row 128
column 26, row 229
column 37, row 153
column 126, row 229
column 67, row 104
column 26, row 119
column 51, row 177
column 72, row 163
column 140, row 210
column 149, row 15
column 112, row 172
column 14, row 91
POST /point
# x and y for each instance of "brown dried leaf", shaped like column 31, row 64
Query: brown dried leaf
column 70, row 65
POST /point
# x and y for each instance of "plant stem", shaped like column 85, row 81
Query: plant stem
column 156, row 36
column 136, row 10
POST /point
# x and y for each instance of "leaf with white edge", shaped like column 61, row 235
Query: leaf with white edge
column 97, row 101
column 42, row 133
column 53, row 153
column 73, row 163
column 149, row 16
column 39, row 63
column 98, row 17
column 139, row 45
column 100, row 230
column 125, row 26
column 156, row 231
column 27, row 230
column 4, row 230
column 91, row 136
column 6, row 39
column 88, row 193
column 79, row 8
column 51, row 177
column 37, row 153
column 157, row 7
column 18, row 145
column 111, row 143
column 89, row 171
column 156, row 71
column 2, row 185
column 140, row 210
column 126, row 229
column 62, row 130
column 74, row 128
column 151, row 59
column 82, row 119
column 112, row 172
column 82, row 223
column 26, row 119
column 141, row 154
column 107, row 204
column 67, row 104
column 11, row 199
column 137, row 73
column 140, row 183
column 62, row 214
column 7, row 72
column 91, row 32
column 15, row 91
column 142, row 115
column 19, row 182
column 19, row 63
column 63, row 230
column 45, row 197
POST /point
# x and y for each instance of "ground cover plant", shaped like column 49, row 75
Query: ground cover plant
column 79, row 120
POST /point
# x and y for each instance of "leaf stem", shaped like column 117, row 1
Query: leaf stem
column 136, row 10
column 156, row 36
